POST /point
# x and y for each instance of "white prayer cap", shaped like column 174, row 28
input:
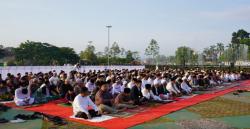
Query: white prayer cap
column 124, row 82
column 108, row 78
column 163, row 81
column 54, row 73
column 178, row 79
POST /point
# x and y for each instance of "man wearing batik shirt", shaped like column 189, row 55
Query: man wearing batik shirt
column 123, row 100
column 104, row 99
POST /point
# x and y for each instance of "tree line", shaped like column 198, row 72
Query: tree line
column 38, row 53
column 219, row 54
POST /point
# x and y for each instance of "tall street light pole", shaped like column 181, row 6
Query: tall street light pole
column 108, row 41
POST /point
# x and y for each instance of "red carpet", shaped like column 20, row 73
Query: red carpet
column 119, row 123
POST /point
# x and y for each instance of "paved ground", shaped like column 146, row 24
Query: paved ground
column 225, row 112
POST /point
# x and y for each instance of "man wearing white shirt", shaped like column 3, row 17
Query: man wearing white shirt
column 131, row 84
column 164, row 82
column 77, row 67
column 54, row 80
column 185, row 87
column 91, row 85
column 78, row 79
column 22, row 96
column 151, row 80
column 147, row 93
column 116, row 88
column 232, row 77
column 144, row 81
column 124, row 85
column 82, row 104
column 157, row 81
column 172, row 88
column 226, row 77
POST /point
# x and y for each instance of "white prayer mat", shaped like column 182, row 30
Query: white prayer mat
column 6, row 102
column 167, row 100
column 220, row 87
column 227, row 83
column 196, row 86
column 187, row 96
column 95, row 119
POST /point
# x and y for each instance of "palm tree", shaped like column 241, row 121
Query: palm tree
column 220, row 48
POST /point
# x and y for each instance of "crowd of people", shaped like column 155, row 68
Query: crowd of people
column 94, row 93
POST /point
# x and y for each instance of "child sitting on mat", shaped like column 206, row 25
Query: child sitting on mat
column 83, row 106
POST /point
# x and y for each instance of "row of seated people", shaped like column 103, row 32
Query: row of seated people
column 110, row 91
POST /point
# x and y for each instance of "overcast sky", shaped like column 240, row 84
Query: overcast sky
column 173, row 23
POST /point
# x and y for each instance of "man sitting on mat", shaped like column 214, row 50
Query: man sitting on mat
column 149, row 95
column 172, row 88
column 83, row 106
column 186, row 89
column 158, row 90
column 123, row 100
column 22, row 95
column 70, row 96
column 136, row 94
column 104, row 99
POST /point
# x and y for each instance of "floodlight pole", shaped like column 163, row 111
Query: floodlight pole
column 108, row 41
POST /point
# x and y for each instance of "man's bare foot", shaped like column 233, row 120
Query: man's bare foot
column 104, row 113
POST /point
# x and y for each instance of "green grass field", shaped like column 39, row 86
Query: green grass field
column 224, row 112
